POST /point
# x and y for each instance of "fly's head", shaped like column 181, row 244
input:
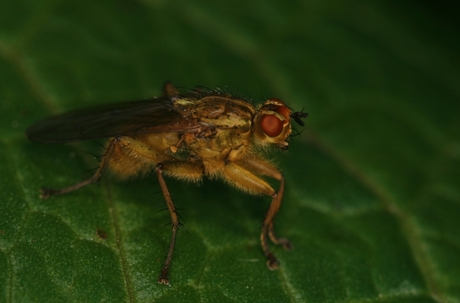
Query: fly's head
column 272, row 123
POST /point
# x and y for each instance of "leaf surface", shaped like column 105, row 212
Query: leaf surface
column 372, row 198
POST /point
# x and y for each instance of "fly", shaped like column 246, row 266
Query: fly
column 188, row 135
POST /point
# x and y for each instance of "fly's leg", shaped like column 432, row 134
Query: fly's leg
column 45, row 193
column 278, row 241
column 263, row 168
column 182, row 170
column 270, row 216
column 163, row 279
column 268, row 228
column 242, row 175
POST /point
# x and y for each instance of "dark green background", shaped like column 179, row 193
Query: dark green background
column 372, row 202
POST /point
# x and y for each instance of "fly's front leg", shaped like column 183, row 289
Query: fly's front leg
column 241, row 175
column 48, row 192
column 263, row 168
column 268, row 228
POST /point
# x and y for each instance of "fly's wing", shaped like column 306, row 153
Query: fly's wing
column 119, row 119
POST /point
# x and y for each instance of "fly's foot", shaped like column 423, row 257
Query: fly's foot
column 280, row 241
column 287, row 245
column 46, row 192
column 163, row 278
column 272, row 262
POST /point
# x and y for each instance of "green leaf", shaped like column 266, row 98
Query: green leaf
column 372, row 201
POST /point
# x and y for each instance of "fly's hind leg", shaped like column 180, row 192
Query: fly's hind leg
column 48, row 192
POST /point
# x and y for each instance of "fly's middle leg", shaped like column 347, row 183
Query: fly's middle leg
column 163, row 279
column 182, row 170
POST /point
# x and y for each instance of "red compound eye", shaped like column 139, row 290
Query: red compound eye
column 271, row 125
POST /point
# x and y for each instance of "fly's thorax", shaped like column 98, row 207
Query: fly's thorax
column 272, row 124
column 221, row 145
column 224, row 112
column 227, row 126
